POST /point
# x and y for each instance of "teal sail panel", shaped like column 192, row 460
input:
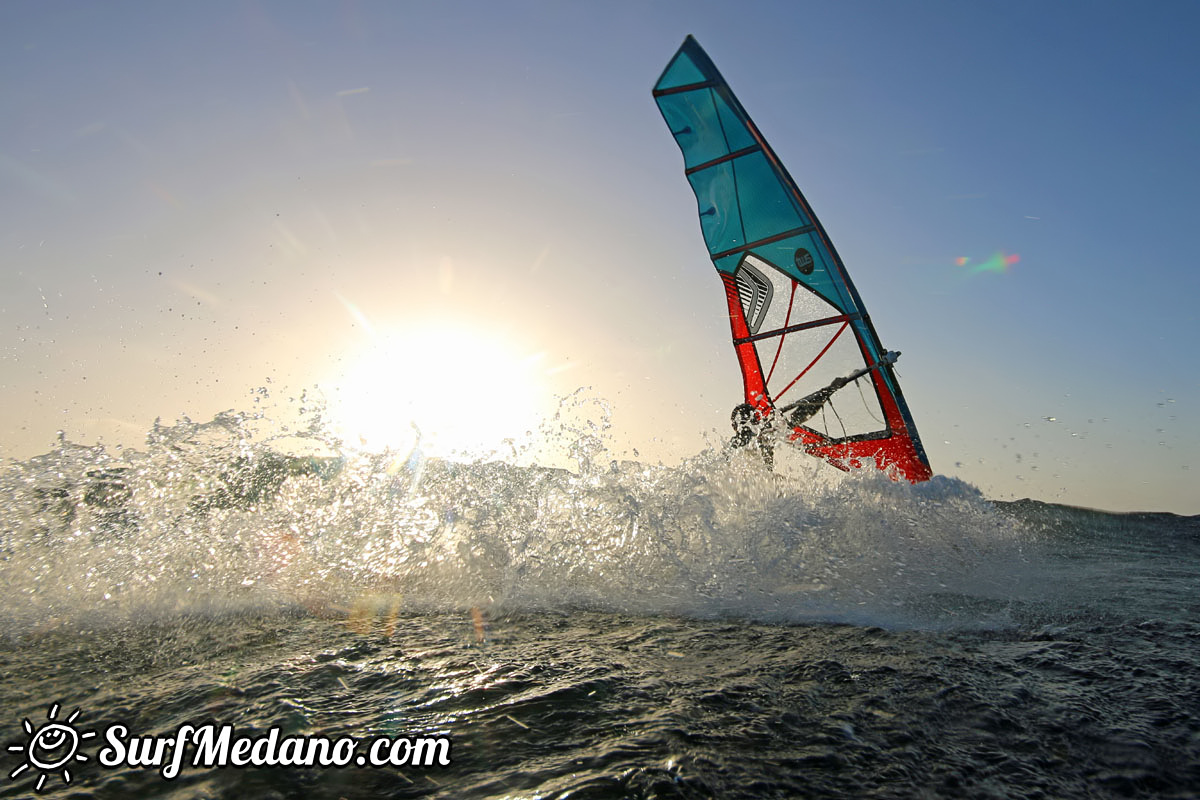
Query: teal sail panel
column 799, row 325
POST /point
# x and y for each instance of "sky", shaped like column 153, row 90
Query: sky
column 454, row 213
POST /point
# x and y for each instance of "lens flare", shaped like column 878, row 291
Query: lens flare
column 1000, row 262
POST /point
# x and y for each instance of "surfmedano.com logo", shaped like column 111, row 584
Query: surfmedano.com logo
column 53, row 748
column 50, row 748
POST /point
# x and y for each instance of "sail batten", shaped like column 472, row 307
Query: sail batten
column 800, row 326
column 785, row 283
column 767, row 240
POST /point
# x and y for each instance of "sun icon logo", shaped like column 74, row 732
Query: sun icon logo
column 52, row 747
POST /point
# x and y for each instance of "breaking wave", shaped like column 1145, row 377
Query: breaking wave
column 215, row 517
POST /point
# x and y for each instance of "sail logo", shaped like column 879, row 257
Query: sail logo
column 53, row 748
column 804, row 261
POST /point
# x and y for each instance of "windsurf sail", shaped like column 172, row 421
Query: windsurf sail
column 809, row 355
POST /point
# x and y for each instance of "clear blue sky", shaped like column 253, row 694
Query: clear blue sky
column 326, row 188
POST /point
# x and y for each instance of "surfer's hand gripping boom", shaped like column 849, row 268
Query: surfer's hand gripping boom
column 807, row 407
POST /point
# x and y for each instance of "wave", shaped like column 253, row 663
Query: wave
column 213, row 518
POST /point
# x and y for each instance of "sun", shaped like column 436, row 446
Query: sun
column 52, row 746
column 452, row 388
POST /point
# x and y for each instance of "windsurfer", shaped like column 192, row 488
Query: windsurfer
column 807, row 407
column 750, row 425
column 795, row 317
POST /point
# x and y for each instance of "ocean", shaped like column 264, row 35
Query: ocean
column 613, row 630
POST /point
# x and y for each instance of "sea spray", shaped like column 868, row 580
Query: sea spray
column 216, row 517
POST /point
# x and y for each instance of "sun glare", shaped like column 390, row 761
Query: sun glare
column 453, row 389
